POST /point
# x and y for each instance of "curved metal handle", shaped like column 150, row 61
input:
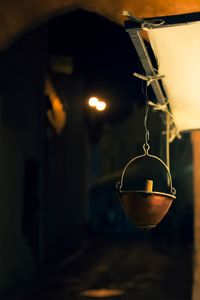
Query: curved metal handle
column 146, row 148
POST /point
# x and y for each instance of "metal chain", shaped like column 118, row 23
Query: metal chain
column 147, row 136
column 146, row 146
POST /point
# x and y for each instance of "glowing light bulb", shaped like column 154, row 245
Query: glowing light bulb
column 101, row 105
column 93, row 101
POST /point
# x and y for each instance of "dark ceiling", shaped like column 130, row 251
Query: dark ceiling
column 104, row 56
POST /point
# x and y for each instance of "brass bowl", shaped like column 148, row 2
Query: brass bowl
column 145, row 209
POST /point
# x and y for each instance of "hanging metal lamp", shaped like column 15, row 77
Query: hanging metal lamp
column 146, row 208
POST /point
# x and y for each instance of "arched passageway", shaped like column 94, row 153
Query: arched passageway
column 18, row 16
column 24, row 78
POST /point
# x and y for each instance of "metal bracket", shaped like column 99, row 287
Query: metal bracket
column 146, row 63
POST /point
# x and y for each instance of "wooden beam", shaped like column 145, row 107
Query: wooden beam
column 195, row 137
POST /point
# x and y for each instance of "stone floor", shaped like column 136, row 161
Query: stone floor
column 120, row 269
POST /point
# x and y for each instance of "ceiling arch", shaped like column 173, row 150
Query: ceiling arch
column 17, row 16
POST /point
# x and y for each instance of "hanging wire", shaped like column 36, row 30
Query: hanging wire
column 173, row 131
column 168, row 117
column 146, row 145
column 147, row 135
column 167, row 140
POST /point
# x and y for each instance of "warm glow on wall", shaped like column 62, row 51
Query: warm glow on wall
column 102, row 293
column 57, row 116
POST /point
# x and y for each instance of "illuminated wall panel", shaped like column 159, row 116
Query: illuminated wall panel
column 177, row 49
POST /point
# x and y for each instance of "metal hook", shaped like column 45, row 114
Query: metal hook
column 146, row 148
